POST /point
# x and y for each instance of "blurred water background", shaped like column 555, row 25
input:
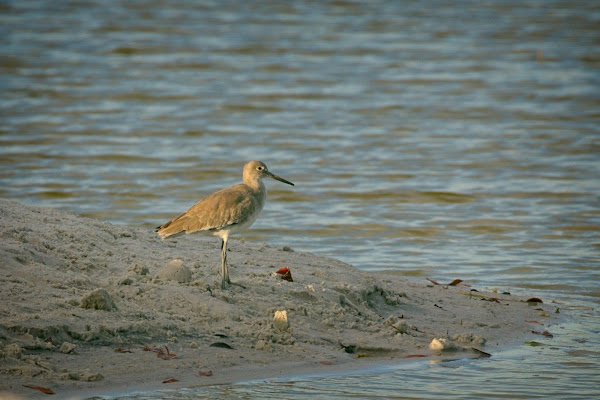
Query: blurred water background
column 432, row 138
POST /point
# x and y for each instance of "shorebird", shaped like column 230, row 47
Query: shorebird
column 225, row 212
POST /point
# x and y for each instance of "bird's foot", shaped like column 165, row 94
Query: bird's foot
column 226, row 284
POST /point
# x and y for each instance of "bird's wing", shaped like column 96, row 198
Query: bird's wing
column 221, row 209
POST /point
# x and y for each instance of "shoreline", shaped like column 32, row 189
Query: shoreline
column 83, row 298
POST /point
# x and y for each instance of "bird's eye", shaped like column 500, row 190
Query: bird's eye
column 260, row 168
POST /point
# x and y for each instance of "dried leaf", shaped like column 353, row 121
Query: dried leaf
column 205, row 373
column 480, row 353
column 534, row 300
column 122, row 350
column 41, row 389
column 415, row 355
column 487, row 298
column 166, row 356
column 545, row 333
column 361, row 355
column 453, row 283
column 160, row 353
column 494, row 299
column 170, row 380
column 534, row 322
column 327, row 362
column 533, row 343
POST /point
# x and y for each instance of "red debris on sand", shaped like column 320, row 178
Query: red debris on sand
column 160, row 353
column 41, row 389
column 285, row 273
column 453, row 283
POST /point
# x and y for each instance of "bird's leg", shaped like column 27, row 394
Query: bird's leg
column 224, row 270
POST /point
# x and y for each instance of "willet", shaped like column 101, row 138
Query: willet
column 225, row 212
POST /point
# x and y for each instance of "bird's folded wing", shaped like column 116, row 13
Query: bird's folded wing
column 217, row 211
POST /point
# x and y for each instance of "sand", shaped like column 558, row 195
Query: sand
column 81, row 299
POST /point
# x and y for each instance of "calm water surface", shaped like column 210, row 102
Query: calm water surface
column 433, row 138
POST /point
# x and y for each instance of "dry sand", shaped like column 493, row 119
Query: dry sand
column 80, row 299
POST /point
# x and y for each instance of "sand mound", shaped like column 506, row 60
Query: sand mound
column 175, row 271
column 82, row 300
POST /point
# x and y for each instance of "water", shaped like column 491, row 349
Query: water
column 521, row 374
column 428, row 138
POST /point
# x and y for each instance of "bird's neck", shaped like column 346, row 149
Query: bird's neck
column 256, row 184
column 259, row 189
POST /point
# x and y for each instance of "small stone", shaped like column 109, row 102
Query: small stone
column 99, row 299
column 11, row 350
column 171, row 337
column 175, row 271
column 280, row 321
column 67, row 348
column 83, row 376
column 401, row 327
column 125, row 281
column 194, row 345
column 262, row 345
column 287, row 248
column 469, row 339
column 96, row 377
column 442, row 344
column 138, row 269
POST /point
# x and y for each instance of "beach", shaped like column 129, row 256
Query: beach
column 92, row 308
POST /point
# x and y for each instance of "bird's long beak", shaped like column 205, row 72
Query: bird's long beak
column 280, row 179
